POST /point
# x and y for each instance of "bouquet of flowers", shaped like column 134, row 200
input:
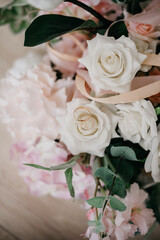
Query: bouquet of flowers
column 85, row 116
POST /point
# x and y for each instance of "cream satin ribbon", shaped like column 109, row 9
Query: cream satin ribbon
column 127, row 97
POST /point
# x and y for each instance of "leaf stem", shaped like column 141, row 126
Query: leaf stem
column 90, row 10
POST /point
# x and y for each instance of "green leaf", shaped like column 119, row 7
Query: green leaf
column 96, row 202
column 37, row 166
column 107, row 176
column 124, row 168
column 71, row 163
column 47, row 27
column 157, row 111
column 123, row 152
column 69, row 176
column 118, row 29
column 116, row 204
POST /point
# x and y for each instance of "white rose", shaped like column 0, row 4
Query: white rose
column 45, row 4
column 87, row 128
column 152, row 163
column 137, row 122
column 144, row 47
column 112, row 64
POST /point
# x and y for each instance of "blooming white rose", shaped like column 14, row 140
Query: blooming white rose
column 152, row 163
column 137, row 122
column 87, row 128
column 112, row 64
column 45, row 4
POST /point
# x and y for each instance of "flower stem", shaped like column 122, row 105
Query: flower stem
column 90, row 10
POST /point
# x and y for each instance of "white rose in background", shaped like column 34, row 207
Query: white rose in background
column 152, row 163
column 31, row 106
column 112, row 64
column 137, row 122
column 45, row 4
column 87, row 128
column 144, row 47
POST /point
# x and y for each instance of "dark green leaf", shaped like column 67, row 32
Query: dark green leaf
column 124, row 168
column 133, row 6
column 118, row 29
column 69, row 176
column 107, row 176
column 116, row 204
column 96, row 202
column 123, row 152
column 47, row 27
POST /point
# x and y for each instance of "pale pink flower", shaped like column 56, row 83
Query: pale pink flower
column 141, row 216
column 47, row 153
column 32, row 105
column 122, row 225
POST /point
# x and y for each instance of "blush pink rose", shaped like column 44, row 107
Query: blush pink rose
column 32, row 105
column 47, row 153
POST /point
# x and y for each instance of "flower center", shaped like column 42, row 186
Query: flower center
column 86, row 122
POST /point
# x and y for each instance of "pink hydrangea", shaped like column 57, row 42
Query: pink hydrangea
column 32, row 105
column 47, row 153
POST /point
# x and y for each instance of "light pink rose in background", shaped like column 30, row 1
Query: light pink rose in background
column 32, row 105
column 68, row 45
column 47, row 153
column 137, row 122
column 143, row 31
column 107, row 8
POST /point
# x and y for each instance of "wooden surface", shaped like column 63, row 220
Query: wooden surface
column 22, row 215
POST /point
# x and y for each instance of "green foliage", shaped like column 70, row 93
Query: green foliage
column 71, row 163
column 47, row 27
column 113, row 182
column 18, row 15
column 123, row 152
column 133, row 6
column 118, row 29
column 96, row 202
column 116, row 204
column 157, row 110
column 69, row 176
column 140, row 153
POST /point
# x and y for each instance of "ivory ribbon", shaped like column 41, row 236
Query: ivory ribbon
column 142, row 92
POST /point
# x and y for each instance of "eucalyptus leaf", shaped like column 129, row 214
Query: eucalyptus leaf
column 69, row 176
column 157, row 111
column 123, row 152
column 107, row 176
column 116, row 204
column 96, row 202
column 71, row 163
column 47, row 27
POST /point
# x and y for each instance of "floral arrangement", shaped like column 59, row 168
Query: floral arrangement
column 85, row 116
